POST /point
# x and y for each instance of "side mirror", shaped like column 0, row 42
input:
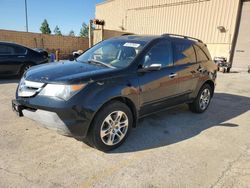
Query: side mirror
column 75, row 55
column 152, row 67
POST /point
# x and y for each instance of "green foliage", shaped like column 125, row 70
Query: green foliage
column 57, row 31
column 84, row 32
column 45, row 27
column 72, row 33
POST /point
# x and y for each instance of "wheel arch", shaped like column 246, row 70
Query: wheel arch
column 24, row 64
column 124, row 100
column 211, row 84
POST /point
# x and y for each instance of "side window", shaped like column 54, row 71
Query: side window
column 6, row 50
column 19, row 50
column 183, row 53
column 161, row 53
column 201, row 56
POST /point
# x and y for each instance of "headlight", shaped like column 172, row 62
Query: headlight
column 64, row 92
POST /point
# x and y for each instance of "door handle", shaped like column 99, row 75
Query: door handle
column 172, row 75
column 20, row 56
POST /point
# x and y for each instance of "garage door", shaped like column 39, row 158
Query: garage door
column 242, row 49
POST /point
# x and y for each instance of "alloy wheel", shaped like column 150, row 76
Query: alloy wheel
column 204, row 99
column 114, row 128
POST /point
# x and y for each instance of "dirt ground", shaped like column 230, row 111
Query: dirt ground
column 174, row 148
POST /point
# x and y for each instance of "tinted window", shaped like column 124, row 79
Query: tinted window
column 184, row 53
column 201, row 56
column 6, row 50
column 161, row 53
column 19, row 50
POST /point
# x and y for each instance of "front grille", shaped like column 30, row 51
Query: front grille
column 28, row 88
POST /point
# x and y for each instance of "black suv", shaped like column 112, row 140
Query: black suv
column 101, row 95
column 16, row 59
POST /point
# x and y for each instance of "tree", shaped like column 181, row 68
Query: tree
column 45, row 27
column 84, row 32
column 72, row 33
column 57, row 31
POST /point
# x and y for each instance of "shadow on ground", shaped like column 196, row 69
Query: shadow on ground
column 178, row 124
column 9, row 79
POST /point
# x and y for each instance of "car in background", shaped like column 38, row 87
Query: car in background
column 42, row 50
column 15, row 59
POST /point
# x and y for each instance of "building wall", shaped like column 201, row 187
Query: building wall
column 65, row 44
column 196, row 18
column 100, row 34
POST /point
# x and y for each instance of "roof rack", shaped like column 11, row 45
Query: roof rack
column 182, row 36
column 125, row 34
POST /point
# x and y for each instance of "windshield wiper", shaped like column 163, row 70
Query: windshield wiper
column 100, row 63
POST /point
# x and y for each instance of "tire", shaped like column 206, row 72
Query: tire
column 105, row 134
column 24, row 68
column 203, row 99
column 228, row 70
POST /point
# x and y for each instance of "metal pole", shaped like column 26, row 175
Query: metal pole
column 90, row 31
column 26, row 15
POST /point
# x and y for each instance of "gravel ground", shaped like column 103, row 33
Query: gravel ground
column 174, row 148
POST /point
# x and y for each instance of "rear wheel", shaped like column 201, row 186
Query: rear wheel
column 24, row 69
column 202, row 101
column 111, row 126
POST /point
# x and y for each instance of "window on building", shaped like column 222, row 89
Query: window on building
column 161, row 53
column 183, row 53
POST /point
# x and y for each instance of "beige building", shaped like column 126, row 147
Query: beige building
column 224, row 25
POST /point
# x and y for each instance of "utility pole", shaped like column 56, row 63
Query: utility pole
column 26, row 15
column 90, row 33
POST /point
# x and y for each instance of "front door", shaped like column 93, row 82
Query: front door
column 157, row 87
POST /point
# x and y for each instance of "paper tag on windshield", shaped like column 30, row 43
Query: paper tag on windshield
column 133, row 45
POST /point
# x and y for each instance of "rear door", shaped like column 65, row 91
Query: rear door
column 158, row 87
column 12, row 58
column 188, row 67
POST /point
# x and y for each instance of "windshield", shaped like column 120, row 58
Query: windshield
column 117, row 53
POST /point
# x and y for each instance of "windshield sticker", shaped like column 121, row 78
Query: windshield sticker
column 133, row 45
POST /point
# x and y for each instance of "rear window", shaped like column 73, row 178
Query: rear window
column 19, row 50
column 184, row 53
column 201, row 55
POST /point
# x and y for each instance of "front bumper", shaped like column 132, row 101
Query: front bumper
column 73, row 121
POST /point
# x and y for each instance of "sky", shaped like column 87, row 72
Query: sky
column 67, row 14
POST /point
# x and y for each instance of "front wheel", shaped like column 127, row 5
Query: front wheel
column 111, row 126
column 202, row 101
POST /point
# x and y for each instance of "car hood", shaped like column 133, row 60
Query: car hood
column 65, row 72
